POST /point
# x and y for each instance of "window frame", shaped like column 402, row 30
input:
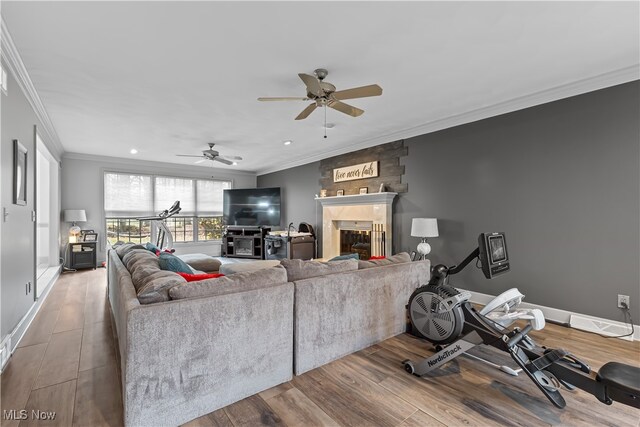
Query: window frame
column 154, row 229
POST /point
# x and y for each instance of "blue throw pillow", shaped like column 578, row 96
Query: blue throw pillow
column 151, row 247
column 171, row 262
column 347, row 256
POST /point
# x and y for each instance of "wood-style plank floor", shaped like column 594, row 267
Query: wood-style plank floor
column 66, row 363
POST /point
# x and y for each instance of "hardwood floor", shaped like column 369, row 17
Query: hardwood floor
column 66, row 361
column 66, row 364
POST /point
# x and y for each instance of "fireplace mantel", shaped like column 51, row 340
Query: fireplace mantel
column 375, row 209
column 359, row 199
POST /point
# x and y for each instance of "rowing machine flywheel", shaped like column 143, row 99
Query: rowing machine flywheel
column 431, row 318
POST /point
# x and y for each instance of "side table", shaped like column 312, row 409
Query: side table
column 82, row 255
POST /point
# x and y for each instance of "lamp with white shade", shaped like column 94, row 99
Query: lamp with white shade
column 73, row 216
column 423, row 228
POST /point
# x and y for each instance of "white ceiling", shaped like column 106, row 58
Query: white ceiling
column 168, row 77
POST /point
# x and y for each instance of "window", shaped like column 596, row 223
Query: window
column 131, row 196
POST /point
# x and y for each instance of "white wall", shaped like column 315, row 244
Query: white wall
column 82, row 188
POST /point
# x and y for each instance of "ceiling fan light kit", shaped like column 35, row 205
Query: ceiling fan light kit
column 324, row 94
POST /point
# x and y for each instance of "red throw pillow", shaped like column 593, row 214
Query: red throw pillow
column 377, row 257
column 195, row 277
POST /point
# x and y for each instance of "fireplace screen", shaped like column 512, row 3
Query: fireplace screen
column 355, row 241
column 244, row 246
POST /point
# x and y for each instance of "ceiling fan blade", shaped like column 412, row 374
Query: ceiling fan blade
column 312, row 83
column 233, row 157
column 188, row 155
column 222, row 160
column 283, row 98
column 305, row 113
column 199, row 161
column 345, row 108
column 358, row 92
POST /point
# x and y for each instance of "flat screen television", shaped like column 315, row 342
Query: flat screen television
column 493, row 254
column 252, row 207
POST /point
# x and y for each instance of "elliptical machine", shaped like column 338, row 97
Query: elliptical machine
column 160, row 220
column 445, row 317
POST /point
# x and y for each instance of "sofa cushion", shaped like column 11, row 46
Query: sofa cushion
column 240, row 282
column 125, row 248
column 298, row 269
column 243, row 267
column 135, row 256
column 395, row 259
column 201, row 262
column 156, row 287
column 347, row 256
column 170, row 262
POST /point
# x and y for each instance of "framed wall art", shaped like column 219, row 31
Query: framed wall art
column 20, row 165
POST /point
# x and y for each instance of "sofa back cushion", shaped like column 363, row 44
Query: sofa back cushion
column 150, row 282
column 239, row 282
column 298, row 269
column 125, row 248
column 395, row 259
column 141, row 256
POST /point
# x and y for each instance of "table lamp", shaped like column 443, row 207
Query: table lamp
column 423, row 228
column 73, row 216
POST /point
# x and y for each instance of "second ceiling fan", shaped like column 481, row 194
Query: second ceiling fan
column 324, row 94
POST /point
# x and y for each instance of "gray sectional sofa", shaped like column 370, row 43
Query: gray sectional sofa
column 214, row 342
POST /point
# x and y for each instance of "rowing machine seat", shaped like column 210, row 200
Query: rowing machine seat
column 623, row 377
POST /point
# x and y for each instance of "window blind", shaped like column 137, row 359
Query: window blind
column 127, row 195
column 169, row 189
column 209, row 194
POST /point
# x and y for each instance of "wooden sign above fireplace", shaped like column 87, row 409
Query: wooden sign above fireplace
column 386, row 159
column 349, row 173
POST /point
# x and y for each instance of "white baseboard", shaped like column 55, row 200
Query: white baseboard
column 11, row 341
column 583, row 322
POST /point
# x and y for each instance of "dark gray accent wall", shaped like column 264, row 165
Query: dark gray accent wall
column 561, row 179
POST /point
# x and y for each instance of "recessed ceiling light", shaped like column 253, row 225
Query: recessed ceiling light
column 287, row 142
column 235, row 163
column 133, row 151
column 330, row 125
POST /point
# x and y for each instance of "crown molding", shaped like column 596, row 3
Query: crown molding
column 123, row 161
column 10, row 54
column 613, row 78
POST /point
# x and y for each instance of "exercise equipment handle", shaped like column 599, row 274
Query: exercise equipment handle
column 519, row 336
column 458, row 268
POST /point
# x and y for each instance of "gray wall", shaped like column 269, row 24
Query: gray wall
column 82, row 188
column 18, row 231
column 561, row 179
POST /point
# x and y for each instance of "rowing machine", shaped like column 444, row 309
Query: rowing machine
column 443, row 315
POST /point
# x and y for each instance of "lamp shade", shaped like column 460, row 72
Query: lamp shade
column 424, row 227
column 75, row 215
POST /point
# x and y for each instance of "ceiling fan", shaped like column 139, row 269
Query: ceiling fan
column 213, row 155
column 324, row 94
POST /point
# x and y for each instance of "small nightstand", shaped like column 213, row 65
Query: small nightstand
column 82, row 255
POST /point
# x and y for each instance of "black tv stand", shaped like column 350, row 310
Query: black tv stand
column 244, row 241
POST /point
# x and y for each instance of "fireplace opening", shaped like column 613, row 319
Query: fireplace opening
column 356, row 241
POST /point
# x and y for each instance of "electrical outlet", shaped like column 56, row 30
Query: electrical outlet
column 623, row 299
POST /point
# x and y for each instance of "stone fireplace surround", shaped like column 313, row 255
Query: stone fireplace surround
column 356, row 212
